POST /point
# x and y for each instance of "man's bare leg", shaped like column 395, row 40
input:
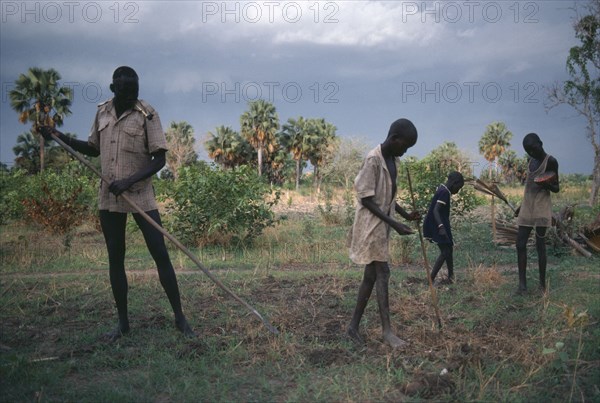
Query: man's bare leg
column 364, row 293
column 113, row 228
column 121, row 329
column 382, row 283
column 183, row 326
column 156, row 246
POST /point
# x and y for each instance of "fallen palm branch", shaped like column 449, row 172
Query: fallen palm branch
column 591, row 235
column 593, row 244
column 506, row 232
column 491, row 190
column 562, row 221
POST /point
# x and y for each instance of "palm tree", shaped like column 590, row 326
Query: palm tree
column 294, row 141
column 322, row 142
column 36, row 96
column 27, row 153
column 228, row 148
column 259, row 125
column 180, row 141
column 513, row 167
column 494, row 143
column 278, row 161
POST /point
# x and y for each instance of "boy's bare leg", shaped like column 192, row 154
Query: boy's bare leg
column 448, row 251
column 439, row 262
column 540, row 243
column 364, row 293
column 522, row 237
column 382, row 282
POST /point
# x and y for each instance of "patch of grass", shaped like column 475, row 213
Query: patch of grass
column 494, row 345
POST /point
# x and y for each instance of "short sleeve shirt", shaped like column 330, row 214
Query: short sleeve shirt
column 125, row 146
column 368, row 240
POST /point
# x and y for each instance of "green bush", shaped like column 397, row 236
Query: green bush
column 210, row 205
column 48, row 198
column 59, row 201
column 337, row 215
column 56, row 201
column 11, row 183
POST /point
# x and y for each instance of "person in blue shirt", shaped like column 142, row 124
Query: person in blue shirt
column 436, row 226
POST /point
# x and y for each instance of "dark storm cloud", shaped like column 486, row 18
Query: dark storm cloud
column 451, row 67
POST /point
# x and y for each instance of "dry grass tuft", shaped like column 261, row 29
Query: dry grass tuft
column 485, row 278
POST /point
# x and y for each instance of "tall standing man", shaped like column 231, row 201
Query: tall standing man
column 536, row 209
column 376, row 190
column 128, row 136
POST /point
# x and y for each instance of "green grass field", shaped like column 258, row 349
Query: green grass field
column 494, row 345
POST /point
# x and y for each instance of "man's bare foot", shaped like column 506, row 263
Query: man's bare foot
column 355, row 336
column 115, row 334
column 393, row 341
column 183, row 326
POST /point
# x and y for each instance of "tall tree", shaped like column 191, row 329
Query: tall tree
column 27, row 153
column 259, row 125
column 278, row 162
column 322, row 142
column 513, row 167
column 449, row 157
column 180, row 141
column 582, row 91
column 39, row 98
column 228, row 148
column 346, row 163
column 494, row 143
column 295, row 141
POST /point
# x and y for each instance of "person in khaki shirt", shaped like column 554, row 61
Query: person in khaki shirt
column 128, row 136
column 376, row 189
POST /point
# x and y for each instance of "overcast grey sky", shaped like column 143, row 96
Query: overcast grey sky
column 451, row 67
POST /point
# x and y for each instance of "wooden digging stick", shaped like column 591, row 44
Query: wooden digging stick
column 169, row 236
column 424, row 252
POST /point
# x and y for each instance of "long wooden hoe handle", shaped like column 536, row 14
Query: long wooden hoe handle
column 171, row 238
column 434, row 299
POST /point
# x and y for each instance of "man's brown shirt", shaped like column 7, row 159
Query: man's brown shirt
column 125, row 145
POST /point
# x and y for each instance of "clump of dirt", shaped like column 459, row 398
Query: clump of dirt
column 462, row 355
column 327, row 357
column 193, row 349
column 429, row 385
column 154, row 319
column 411, row 280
